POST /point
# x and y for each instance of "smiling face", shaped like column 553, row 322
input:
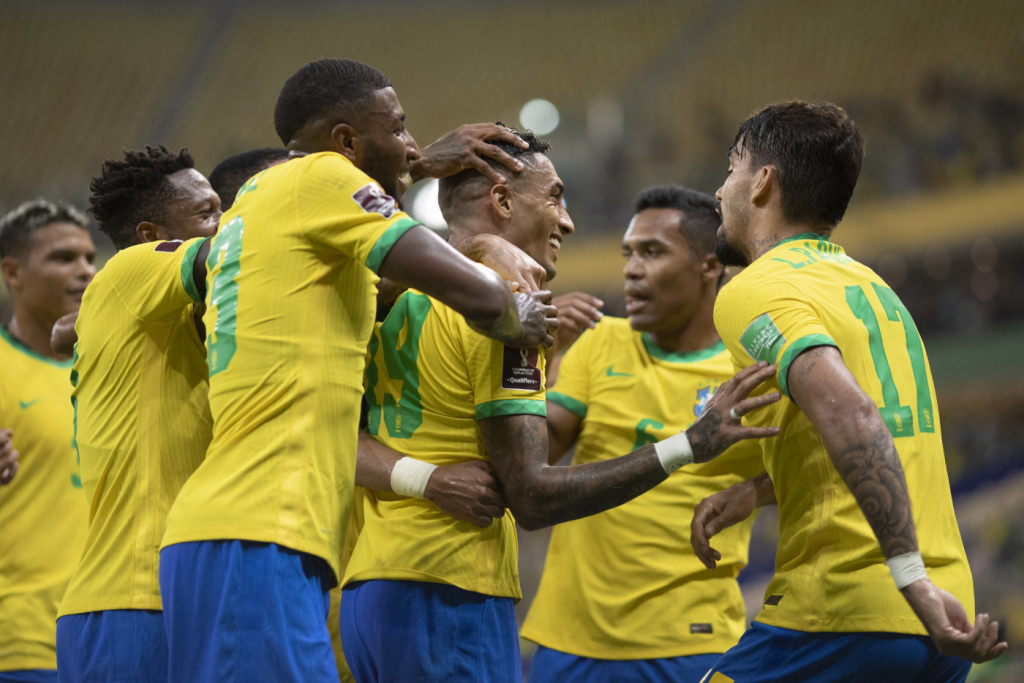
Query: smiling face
column 193, row 210
column 735, row 209
column 50, row 276
column 388, row 146
column 665, row 280
column 538, row 221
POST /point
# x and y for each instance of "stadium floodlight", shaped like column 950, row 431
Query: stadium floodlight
column 540, row 116
column 425, row 208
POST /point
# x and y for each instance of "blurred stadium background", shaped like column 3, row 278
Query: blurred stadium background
column 631, row 93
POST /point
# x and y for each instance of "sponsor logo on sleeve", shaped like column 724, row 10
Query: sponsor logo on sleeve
column 372, row 199
column 519, row 370
column 702, row 628
column 762, row 339
column 170, row 246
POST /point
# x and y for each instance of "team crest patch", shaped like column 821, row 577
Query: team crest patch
column 373, row 200
column 170, row 246
column 704, row 395
column 519, row 370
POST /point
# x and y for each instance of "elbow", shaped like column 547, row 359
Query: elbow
column 531, row 512
column 530, row 521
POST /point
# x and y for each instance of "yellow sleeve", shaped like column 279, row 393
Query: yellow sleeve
column 342, row 209
column 506, row 381
column 769, row 320
column 154, row 280
column 572, row 390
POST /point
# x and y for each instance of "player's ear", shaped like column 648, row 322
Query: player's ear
column 348, row 143
column 501, row 201
column 148, row 232
column 10, row 268
column 711, row 269
column 761, row 188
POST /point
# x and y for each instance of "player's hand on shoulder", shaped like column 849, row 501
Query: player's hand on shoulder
column 946, row 622
column 717, row 512
column 577, row 312
column 8, row 457
column 720, row 426
column 538, row 321
column 466, row 491
column 467, row 147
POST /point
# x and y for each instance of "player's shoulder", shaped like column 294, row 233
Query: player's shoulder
column 336, row 169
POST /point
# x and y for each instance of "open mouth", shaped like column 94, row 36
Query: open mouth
column 635, row 304
column 555, row 243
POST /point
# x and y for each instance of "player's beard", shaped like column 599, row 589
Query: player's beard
column 727, row 254
column 377, row 165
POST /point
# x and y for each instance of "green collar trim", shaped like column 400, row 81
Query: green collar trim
column 802, row 236
column 18, row 345
column 675, row 357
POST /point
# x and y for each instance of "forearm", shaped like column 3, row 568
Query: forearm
column 63, row 337
column 374, row 462
column 862, row 450
column 764, row 490
column 540, row 495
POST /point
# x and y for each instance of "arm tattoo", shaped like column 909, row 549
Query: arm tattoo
column 874, row 475
column 540, row 495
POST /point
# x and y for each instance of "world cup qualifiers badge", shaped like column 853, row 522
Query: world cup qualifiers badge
column 519, row 370
column 372, row 199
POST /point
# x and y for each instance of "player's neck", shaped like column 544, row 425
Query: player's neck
column 465, row 227
column 33, row 331
column 697, row 334
column 770, row 233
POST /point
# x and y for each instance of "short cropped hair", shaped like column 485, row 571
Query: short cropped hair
column 135, row 189
column 229, row 175
column 16, row 227
column 700, row 221
column 320, row 87
column 817, row 151
column 447, row 186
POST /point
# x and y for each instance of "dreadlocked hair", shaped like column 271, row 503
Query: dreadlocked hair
column 134, row 190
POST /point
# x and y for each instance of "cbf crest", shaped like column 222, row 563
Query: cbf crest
column 704, row 395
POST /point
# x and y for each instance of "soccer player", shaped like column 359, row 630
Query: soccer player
column 46, row 257
column 228, row 176
column 858, row 469
column 290, row 311
column 623, row 597
column 443, row 393
column 142, row 417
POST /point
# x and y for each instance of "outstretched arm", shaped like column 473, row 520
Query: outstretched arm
column 466, row 491
column 422, row 260
column 862, row 450
column 540, row 494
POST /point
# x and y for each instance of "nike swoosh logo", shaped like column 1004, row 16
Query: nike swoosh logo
column 612, row 373
column 23, row 405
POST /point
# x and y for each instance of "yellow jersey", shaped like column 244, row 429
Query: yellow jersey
column 430, row 379
column 625, row 583
column 142, row 422
column 830, row 574
column 290, row 309
column 44, row 510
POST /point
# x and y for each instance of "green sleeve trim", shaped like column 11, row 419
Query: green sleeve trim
column 188, row 271
column 386, row 241
column 794, row 350
column 569, row 403
column 514, row 406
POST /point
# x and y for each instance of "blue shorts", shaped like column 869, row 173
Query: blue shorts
column 245, row 612
column 29, row 676
column 778, row 655
column 414, row 631
column 113, row 645
column 552, row 666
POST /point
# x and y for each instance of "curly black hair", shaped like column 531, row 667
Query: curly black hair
column 18, row 225
column 130, row 191
column 700, row 221
column 320, row 87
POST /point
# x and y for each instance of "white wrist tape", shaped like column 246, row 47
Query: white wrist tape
column 906, row 569
column 409, row 477
column 674, row 452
